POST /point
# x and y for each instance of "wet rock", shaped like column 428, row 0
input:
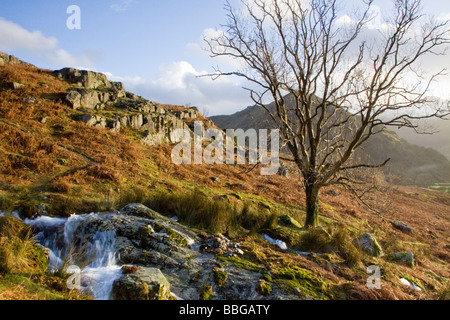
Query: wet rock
column 144, row 284
column 369, row 244
column 220, row 245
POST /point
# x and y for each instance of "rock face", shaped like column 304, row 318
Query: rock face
column 369, row 244
column 144, row 284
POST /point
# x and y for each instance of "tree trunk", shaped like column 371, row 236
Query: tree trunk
column 312, row 206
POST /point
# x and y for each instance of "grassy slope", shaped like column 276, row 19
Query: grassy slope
column 72, row 168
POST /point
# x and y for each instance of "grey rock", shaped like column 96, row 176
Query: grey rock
column 406, row 258
column 74, row 99
column 403, row 227
column 16, row 85
column 143, row 284
column 83, row 78
column 369, row 244
column 29, row 100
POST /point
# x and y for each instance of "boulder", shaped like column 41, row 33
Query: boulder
column 74, row 99
column 288, row 221
column 403, row 227
column 16, row 85
column 89, row 99
column 369, row 244
column 220, row 245
column 406, row 258
column 143, row 284
column 93, row 121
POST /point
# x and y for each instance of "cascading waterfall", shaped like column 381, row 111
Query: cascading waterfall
column 98, row 265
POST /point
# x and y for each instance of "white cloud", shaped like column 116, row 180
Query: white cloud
column 121, row 6
column 179, row 83
column 14, row 37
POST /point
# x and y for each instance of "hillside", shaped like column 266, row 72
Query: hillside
column 410, row 164
column 72, row 142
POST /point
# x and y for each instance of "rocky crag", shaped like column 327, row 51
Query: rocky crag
column 101, row 103
column 105, row 104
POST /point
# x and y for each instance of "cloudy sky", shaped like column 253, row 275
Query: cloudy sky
column 155, row 47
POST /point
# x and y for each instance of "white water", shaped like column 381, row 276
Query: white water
column 279, row 243
column 102, row 269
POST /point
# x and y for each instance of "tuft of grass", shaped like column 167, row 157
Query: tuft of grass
column 19, row 253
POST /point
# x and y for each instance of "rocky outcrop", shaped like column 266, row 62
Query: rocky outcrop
column 83, row 78
column 92, row 92
column 9, row 59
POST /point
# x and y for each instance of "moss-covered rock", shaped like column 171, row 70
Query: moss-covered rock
column 220, row 277
column 144, row 284
column 369, row 245
column 264, row 288
column 295, row 280
column 288, row 221
column 406, row 258
column 206, row 292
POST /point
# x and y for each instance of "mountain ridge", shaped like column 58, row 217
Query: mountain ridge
column 410, row 164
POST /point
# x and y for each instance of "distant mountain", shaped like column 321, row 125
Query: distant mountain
column 410, row 164
column 439, row 140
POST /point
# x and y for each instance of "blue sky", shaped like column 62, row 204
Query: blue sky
column 153, row 46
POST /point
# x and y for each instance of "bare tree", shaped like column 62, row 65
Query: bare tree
column 332, row 87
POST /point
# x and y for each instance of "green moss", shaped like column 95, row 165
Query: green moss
column 264, row 288
column 237, row 196
column 288, row 221
column 288, row 235
column 206, row 292
column 266, row 277
column 295, row 280
column 242, row 264
column 220, row 277
column 176, row 237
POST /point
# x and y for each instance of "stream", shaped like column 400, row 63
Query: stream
column 96, row 268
